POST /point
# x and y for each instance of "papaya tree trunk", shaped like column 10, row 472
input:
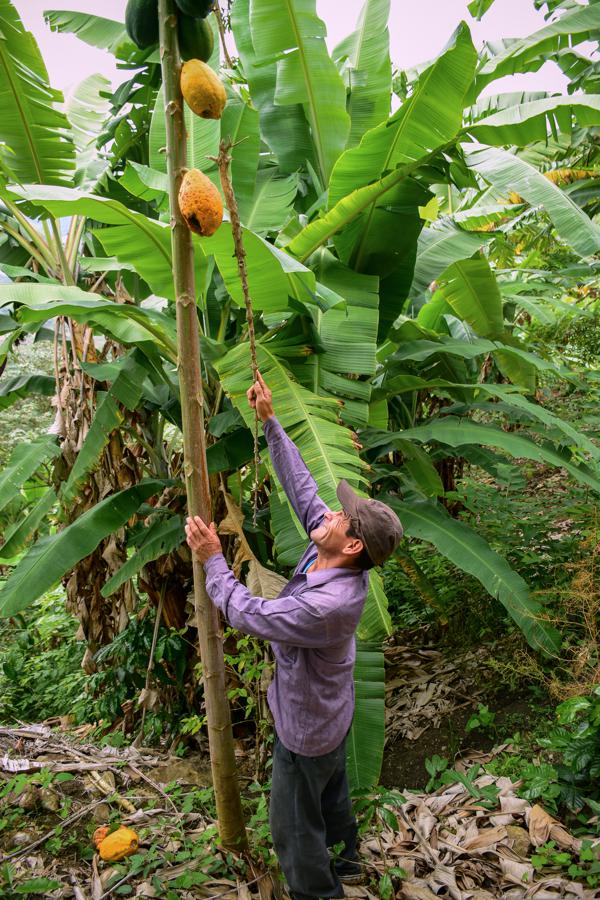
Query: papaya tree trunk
column 222, row 757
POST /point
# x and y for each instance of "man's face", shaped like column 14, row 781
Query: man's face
column 331, row 534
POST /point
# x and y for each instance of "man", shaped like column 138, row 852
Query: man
column 311, row 626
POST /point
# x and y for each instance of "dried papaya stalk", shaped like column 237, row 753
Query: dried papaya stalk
column 223, row 161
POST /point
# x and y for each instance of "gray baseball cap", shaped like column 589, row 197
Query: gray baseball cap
column 377, row 525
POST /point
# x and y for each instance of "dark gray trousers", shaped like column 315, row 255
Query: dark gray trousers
column 310, row 811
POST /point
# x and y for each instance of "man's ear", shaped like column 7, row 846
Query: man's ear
column 353, row 547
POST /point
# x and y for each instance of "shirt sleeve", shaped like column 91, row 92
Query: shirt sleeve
column 287, row 619
column 291, row 470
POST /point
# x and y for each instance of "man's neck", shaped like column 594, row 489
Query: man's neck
column 324, row 561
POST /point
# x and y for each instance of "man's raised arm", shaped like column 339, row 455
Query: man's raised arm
column 291, row 470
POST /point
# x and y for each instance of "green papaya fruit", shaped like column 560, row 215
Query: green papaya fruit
column 141, row 22
column 196, row 9
column 196, row 39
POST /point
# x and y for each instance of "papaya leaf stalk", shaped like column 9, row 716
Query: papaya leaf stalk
column 222, row 757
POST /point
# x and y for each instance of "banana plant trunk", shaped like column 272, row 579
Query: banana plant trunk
column 222, row 757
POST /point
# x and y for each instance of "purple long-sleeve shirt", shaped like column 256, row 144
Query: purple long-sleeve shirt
column 310, row 625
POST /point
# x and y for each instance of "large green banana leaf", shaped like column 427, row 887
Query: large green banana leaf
column 106, row 34
column 23, row 462
column 88, row 109
column 494, row 103
column 364, row 58
column 507, row 172
column 348, row 337
column 471, row 553
column 291, row 32
column 529, row 122
column 126, row 390
column 284, row 128
column 53, row 556
column 161, row 537
column 17, row 536
column 470, row 288
column 427, row 121
column 511, row 398
column 136, row 239
column 125, row 322
column 360, row 181
column 364, row 746
column 440, row 246
column 32, row 126
column 146, row 244
column 529, row 54
column 457, row 432
column 20, row 386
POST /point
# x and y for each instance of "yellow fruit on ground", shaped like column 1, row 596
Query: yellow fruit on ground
column 202, row 89
column 99, row 835
column 200, row 203
column 121, row 843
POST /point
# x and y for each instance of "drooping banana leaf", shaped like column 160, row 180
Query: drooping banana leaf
column 20, row 386
column 456, row 432
column 364, row 746
column 106, row 34
column 291, row 32
column 136, row 239
column 470, row 288
column 126, row 390
column 87, row 111
column 478, row 8
column 162, row 537
column 471, row 553
column 533, row 121
column 31, row 123
column 126, row 322
column 529, row 53
column 508, row 173
column 17, row 536
column 23, row 462
column 284, row 128
column 441, row 245
column 53, row 556
column 364, row 57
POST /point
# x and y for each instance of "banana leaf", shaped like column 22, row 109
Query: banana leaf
column 533, row 121
column 456, row 432
column 291, row 32
column 17, row 536
column 31, row 123
column 471, row 553
column 23, row 462
column 507, row 173
column 364, row 60
column 364, row 746
column 162, row 537
column 20, row 386
column 53, row 556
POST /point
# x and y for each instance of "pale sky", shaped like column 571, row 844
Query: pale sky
column 418, row 32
